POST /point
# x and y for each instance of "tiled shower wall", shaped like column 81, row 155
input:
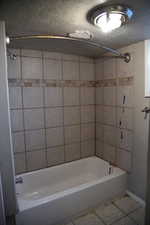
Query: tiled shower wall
column 115, row 110
column 52, row 103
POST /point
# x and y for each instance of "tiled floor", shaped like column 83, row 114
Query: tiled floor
column 120, row 211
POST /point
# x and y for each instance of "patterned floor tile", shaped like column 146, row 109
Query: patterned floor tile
column 127, row 204
column 125, row 221
column 89, row 219
column 109, row 213
column 138, row 216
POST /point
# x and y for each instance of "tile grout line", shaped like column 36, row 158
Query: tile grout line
column 67, row 125
column 95, row 108
column 49, row 107
column 44, row 111
column 103, row 114
column 80, row 105
column 46, row 149
column 116, row 100
column 126, row 214
column 63, row 109
column 23, row 115
column 94, row 212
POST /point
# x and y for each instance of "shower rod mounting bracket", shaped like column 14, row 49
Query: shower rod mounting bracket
column 125, row 56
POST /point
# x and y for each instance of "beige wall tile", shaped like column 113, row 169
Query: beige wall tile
column 110, row 135
column 87, row 114
column 52, row 55
column 87, row 96
column 55, row 155
column 72, row 152
column 99, row 69
column 87, row 131
column 70, row 70
column 18, row 142
column 33, row 119
column 36, row 160
column 32, row 97
column 87, row 148
column 31, row 53
column 124, row 160
column 109, row 153
column 20, row 165
column 15, row 97
column 72, row 134
column 17, row 120
column 71, row 96
column 53, row 96
column 109, row 115
column 14, row 68
column 31, row 68
column 54, row 136
column 86, row 59
column 109, row 68
column 99, row 148
column 110, row 96
column 99, row 131
column 87, row 71
column 54, row 117
column 71, row 115
column 70, row 57
column 100, row 95
column 35, row 140
column 52, row 69
column 99, row 114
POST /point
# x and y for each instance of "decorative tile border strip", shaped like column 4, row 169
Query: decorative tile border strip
column 123, row 81
column 126, row 81
column 49, row 83
column 106, row 83
column 70, row 83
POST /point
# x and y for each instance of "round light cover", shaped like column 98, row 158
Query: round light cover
column 112, row 17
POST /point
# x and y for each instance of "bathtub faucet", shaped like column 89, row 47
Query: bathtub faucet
column 19, row 180
column 110, row 168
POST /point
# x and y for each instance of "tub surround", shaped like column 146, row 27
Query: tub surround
column 121, row 130
column 114, row 111
column 53, row 117
column 52, row 102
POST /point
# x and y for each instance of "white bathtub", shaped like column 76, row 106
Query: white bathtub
column 53, row 195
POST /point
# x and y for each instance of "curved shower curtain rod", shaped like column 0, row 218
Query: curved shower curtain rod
column 125, row 56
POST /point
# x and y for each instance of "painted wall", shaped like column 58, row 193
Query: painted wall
column 122, row 131
column 52, row 102
column 6, row 154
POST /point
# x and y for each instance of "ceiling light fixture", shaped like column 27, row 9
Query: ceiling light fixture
column 111, row 17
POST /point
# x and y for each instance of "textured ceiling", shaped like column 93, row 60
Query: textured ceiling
column 59, row 17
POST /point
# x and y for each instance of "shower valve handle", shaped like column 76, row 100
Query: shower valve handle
column 146, row 110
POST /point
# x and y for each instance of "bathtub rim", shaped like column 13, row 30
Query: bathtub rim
column 66, row 163
column 29, row 204
column 61, row 194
